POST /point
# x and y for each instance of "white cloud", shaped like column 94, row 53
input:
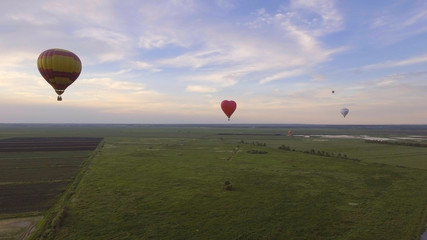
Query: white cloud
column 386, row 82
column 313, row 17
column 301, row 23
column 399, row 21
column 111, row 85
column 416, row 18
column 17, row 87
column 283, row 75
column 227, row 4
column 399, row 63
column 318, row 77
column 159, row 38
column 218, row 79
column 145, row 66
column 111, row 45
column 30, row 19
column 200, row 89
column 17, row 59
column 115, row 96
column 95, row 12
column 197, row 59
column 307, row 42
column 327, row 18
column 168, row 10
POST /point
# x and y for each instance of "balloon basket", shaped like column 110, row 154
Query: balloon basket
column 59, row 98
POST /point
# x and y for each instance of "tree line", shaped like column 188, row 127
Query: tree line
column 318, row 153
column 411, row 144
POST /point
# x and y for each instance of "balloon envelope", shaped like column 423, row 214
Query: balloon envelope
column 228, row 107
column 344, row 111
column 60, row 68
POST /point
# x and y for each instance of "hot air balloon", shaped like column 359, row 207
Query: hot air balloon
column 290, row 133
column 344, row 111
column 228, row 107
column 333, row 91
column 60, row 68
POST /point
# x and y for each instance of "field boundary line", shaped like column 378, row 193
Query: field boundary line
column 54, row 217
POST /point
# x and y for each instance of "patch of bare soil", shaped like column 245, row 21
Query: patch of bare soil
column 17, row 228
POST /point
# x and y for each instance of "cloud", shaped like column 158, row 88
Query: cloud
column 218, row 79
column 313, row 17
column 227, row 4
column 399, row 21
column 17, row 59
column 200, row 89
column 115, row 96
column 95, row 12
column 109, row 45
column 319, row 17
column 17, row 87
column 420, row 16
column 399, row 63
column 152, row 40
column 165, row 34
column 198, row 59
column 169, row 11
column 283, row 75
column 145, row 66
column 301, row 23
column 30, row 19
column 403, row 89
column 318, row 77
column 111, row 85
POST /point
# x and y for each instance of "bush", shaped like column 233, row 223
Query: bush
column 227, row 186
column 256, row 152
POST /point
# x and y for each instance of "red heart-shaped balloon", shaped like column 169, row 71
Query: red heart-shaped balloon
column 228, row 107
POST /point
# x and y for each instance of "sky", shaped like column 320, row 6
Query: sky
column 174, row 61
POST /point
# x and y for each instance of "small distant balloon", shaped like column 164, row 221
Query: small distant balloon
column 60, row 68
column 333, row 91
column 290, row 133
column 344, row 111
column 228, row 107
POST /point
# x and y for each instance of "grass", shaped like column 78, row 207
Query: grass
column 166, row 183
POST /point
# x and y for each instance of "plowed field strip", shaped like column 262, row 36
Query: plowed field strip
column 33, row 171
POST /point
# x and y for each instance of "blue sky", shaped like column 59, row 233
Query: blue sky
column 175, row 61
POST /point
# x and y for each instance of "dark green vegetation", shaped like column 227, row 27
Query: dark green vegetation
column 412, row 144
column 169, row 182
column 34, row 171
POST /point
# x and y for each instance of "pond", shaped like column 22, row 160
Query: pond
column 424, row 236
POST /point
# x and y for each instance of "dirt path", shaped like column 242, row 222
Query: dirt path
column 17, row 228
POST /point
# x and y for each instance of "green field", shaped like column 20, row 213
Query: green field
column 167, row 182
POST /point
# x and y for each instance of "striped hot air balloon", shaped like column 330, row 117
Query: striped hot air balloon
column 344, row 111
column 60, row 68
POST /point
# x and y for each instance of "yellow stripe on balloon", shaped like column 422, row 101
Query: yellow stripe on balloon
column 60, row 64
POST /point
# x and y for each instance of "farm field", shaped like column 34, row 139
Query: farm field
column 168, row 182
column 34, row 171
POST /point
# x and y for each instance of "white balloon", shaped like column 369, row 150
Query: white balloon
column 344, row 111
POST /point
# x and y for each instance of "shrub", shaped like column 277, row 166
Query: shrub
column 227, row 186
